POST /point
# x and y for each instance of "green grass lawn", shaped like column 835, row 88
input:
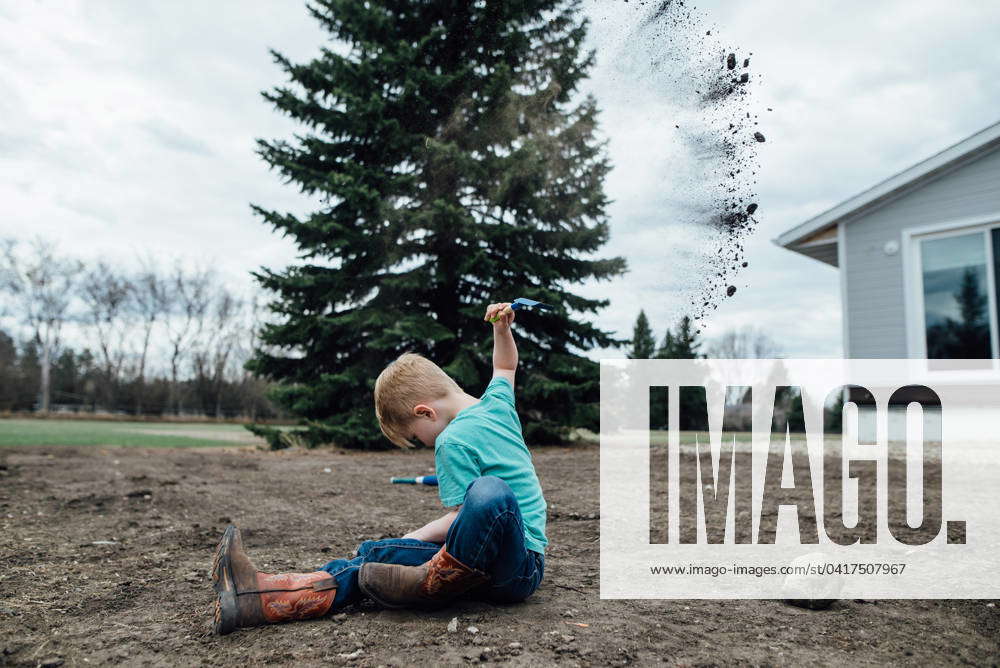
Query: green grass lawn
column 138, row 434
column 178, row 435
column 659, row 437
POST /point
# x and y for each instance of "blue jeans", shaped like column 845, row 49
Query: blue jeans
column 487, row 535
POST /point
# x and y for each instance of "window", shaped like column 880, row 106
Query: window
column 958, row 273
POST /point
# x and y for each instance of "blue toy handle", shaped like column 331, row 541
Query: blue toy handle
column 431, row 480
column 520, row 303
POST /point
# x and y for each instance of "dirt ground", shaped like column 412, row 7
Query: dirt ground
column 104, row 556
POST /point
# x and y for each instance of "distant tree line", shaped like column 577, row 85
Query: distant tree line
column 683, row 342
column 98, row 338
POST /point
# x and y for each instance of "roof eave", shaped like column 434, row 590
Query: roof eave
column 825, row 252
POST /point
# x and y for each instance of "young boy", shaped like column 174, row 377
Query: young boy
column 491, row 541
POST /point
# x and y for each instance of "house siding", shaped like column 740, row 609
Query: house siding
column 876, row 312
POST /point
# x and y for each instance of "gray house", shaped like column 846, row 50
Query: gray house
column 919, row 258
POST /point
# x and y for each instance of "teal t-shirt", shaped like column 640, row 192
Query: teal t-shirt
column 485, row 439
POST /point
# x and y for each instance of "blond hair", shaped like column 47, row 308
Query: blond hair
column 408, row 381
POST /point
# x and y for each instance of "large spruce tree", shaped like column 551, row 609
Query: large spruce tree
column 458, row 166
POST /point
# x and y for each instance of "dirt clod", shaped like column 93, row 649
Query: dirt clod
column 694, row 71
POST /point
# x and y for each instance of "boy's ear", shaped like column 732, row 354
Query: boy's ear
column 424, row 411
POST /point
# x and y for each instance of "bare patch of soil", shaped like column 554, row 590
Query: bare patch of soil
column 104, row 556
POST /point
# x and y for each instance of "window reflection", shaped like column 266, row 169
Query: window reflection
column 956, row 301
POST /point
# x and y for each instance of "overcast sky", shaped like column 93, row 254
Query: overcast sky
column 129, row 128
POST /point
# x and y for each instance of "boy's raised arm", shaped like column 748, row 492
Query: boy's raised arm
column 504, row 348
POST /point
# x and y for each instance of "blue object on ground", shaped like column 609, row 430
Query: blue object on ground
column 419, row 480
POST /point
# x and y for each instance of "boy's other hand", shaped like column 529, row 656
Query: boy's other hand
column 503, row 309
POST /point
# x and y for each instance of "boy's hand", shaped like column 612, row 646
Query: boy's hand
column 503, row 310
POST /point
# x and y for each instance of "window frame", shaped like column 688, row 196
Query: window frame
column 913, row 284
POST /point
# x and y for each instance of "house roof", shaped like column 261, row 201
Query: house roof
column 817, row 237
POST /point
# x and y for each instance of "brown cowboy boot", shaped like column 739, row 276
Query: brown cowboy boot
column 432, row 584
column 247, row 597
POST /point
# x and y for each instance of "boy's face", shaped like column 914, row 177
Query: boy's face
column 427, row 423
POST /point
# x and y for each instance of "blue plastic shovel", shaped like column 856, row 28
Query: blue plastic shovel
column 519, row 303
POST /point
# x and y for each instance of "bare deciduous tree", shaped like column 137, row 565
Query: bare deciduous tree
column 747, row 342
column 150, row 306
column 106, row 294
column 40, row 284
column 253, row 386
column 213, row 354
column 187, row 300
column 228, row 314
